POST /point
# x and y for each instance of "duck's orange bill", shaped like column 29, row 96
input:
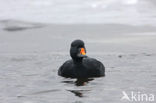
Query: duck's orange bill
column 83, row 52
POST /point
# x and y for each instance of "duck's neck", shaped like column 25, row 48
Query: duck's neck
column 77, row 60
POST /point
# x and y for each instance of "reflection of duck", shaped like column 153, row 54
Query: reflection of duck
column 81, row 66
column 79, row 93
column 78, row 82
column 82, row 82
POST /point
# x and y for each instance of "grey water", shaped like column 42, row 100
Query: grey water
column 30, row 58
column 32, row 78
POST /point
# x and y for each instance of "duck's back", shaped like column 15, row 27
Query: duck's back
column 88, row 68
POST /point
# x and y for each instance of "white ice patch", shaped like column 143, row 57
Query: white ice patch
column 42, row 3
column 107, row 3
column 130, row 2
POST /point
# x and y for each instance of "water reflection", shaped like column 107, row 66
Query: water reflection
column 82, row 81
column 78, row 93
column 79, row 82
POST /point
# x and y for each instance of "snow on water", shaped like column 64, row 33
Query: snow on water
column 80, row 11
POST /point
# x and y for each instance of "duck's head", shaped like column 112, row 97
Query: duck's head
column 77, row 49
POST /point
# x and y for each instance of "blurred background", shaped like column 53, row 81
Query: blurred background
column 135, row 12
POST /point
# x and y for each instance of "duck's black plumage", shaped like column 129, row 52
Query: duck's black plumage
column 81, row 66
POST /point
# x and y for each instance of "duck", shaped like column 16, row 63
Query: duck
column 80, row 65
